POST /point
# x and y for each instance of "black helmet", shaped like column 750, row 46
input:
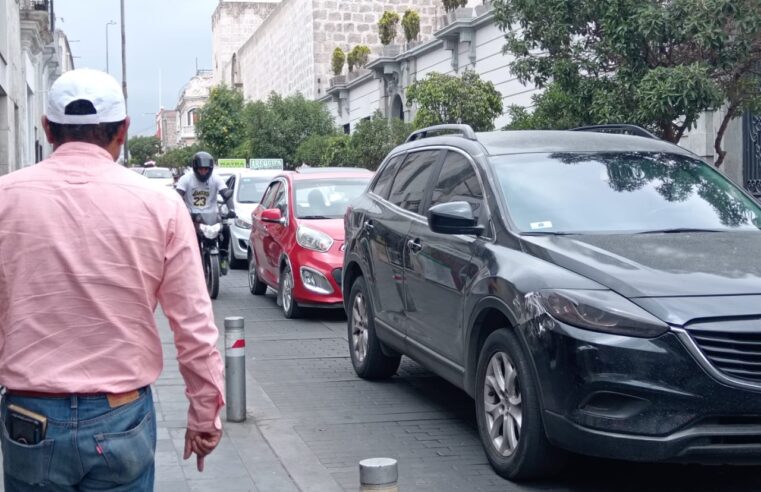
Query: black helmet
column 203, row 159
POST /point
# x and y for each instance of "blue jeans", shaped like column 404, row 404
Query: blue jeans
column 88, row 445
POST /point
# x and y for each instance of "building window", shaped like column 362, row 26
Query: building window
column 347, row 128
column 192, row 117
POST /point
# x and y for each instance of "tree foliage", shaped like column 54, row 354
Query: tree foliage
column 373, row 139
column 276, row 127
column 387, row 27
column 220, row 127
column 142, row 149
column 450, row 5
column 411, row 25
column 179, row 157
column 659, row 64
column 358, row 57
column 337, row 61
column 449, row 99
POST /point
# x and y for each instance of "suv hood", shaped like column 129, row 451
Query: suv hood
column 657, row 265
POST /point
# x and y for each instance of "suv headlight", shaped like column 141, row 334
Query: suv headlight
column 242, row 223
column 312, row 239
column 600, row 310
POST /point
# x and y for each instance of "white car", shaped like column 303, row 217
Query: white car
column 161, row 175
column 248, row 186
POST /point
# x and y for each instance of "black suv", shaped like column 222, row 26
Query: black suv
column 594, row 292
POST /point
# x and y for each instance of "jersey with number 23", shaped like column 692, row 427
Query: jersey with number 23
column 201, row 197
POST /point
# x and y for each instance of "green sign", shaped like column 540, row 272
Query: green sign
column 231, row 163
column 265, row 164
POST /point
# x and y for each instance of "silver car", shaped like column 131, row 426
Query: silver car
column 248, row 186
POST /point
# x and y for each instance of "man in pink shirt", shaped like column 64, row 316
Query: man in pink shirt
column 87, row 250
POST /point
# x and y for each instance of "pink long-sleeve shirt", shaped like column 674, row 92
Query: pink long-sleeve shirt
column 87, row 249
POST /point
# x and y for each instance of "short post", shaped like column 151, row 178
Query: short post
column 235, row 369
column 378, row 474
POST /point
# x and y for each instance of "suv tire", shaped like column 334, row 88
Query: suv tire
column 367, row 357
column 512, row 431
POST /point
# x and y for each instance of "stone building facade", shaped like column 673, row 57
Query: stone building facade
column 32, row 55
column 232, row 23
column 192, row 97
column 166, row 128
column 291, row 50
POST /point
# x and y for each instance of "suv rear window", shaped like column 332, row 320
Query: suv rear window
column 411, row 182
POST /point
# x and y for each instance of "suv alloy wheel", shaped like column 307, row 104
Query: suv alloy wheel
column 508, row 412
column 367, row 357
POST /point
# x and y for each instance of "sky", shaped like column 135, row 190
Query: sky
column 165, row 40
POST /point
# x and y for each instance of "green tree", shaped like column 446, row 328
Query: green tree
column 220, row 126
column 659, row 64
column 387, row 27
column 178, row 157
column 142, row 149
column 449, row 99
column 276, row 127
column 373, row 139
column 326, row 150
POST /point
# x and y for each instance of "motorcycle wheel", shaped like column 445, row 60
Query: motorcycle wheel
column 211, row 272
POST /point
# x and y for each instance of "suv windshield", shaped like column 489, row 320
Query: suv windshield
column 620, row 192
column 326, row 198
column 250, row 190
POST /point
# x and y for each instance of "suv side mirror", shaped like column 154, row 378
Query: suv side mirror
column 273, row 215
column 453, row 218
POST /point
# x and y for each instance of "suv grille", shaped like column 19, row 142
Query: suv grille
column 735, row 354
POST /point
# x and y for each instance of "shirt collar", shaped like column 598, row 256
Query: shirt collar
column 82, row 149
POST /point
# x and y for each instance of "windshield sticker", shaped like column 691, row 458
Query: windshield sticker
column 541, row 225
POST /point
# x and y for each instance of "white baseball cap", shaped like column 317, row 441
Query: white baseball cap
column 94, row 86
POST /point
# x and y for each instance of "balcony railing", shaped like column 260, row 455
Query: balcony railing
column 39, row 5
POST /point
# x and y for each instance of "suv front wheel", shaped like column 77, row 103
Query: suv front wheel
column 368, row 359
column 508, row 412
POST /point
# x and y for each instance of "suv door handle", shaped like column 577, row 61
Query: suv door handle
column 368, row 225
column 414, row 245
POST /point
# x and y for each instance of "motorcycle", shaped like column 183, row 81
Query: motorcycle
column 209, row 228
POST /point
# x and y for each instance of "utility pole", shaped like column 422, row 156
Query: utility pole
column 124, row 81
column 109, row 23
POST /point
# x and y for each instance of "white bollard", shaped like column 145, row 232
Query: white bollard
column 378, row 475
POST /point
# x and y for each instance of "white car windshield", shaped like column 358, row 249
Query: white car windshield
column 158, row 172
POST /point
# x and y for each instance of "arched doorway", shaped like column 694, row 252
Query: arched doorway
column 397, row 108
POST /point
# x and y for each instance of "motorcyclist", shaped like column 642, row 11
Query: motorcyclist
column 199, row 190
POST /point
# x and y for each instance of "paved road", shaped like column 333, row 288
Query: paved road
column 315, row 420
column 311, row 420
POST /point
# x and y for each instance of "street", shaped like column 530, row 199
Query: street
column 311, row 420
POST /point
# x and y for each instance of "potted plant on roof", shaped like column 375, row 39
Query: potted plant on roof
column 337, row 64
column 411, row 26
column 357, row 58
column 456, row 9
column 387, row 26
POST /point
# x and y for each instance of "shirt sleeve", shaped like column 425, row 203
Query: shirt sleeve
column 182, row 183
column 185, row 301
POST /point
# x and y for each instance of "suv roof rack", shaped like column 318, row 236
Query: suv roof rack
column 623, row 129
column 462, row 129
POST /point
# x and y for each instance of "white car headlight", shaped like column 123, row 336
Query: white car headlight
column 312, row 239
column 242, row 223
column 211, row 231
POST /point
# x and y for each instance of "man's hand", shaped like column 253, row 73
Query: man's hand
column 200, row 443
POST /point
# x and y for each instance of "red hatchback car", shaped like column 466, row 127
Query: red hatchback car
column 297, row 236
